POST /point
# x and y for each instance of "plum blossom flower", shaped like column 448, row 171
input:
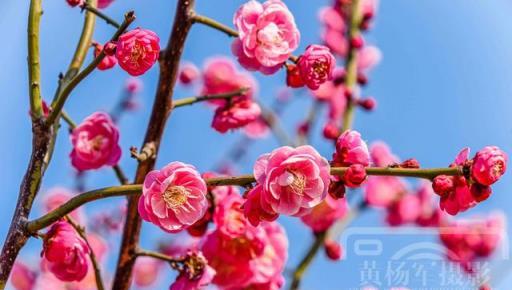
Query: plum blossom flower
column 183, row 282
column 74, row 3
column 267, row 35
column 323, row 216
column 137, row 51
column 145, row 271
column 293, row 180
column 257, row 129
column 188, row 74
column 235, row 115
column 55, row 197
column 104, row 3
column 256, row 210
column 316, row 66
column 489, row 165
column 174, row 197
column 351, row 149
column 108, row 62
column 22, row 277
column 65, row 252
column 369, row 57
column 95, row 143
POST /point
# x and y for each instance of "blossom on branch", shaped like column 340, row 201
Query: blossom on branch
column 137, row 51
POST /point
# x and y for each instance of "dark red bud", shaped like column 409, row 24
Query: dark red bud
column 368, row 104
column 410, row 163
column 293, row 78
column 357, row 42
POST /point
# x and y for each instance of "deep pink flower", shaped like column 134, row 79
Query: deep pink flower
column 489, row 164
column 294, row 180
column 74, row 3
column 57, row 196
column 443, row 185
column 256, row 210
column 267, row 35
column 220, row 75
column 404, row 210
column 104, row 3
column 174, row 197
column 229, row 216
column 293, row 76
column 146, row 271
column 137, row 51
column 235, row 115
column 430, row 215
column 381, row 191
column 189, row 73
column 316, row 66
column 368, row 57
column 355, row 175
column 323, row 216
column 95, row 143
column 351, row 149
column 329, row 91
column 65, row 252
column 183, row 282
column 333, row 250
column 22, row 277
column 108, row 62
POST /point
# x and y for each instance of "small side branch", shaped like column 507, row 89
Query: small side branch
column 192, row 100
column 109, row 20
column 34, row 68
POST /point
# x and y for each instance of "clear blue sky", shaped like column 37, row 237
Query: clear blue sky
column 445, row 82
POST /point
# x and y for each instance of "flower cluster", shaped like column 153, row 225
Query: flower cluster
column 459, row 193
column 267, row 35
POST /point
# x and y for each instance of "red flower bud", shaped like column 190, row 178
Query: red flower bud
column 357, row 42
column 293, row 78
column 110, row 48
column 368, row 103
column 355, row 175
column 443, row 185
column 337, row 190
column 410, row 163
column 333, row 250
column 331, row 131
column 362, row 79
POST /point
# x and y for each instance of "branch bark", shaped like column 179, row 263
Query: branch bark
column 169, row 65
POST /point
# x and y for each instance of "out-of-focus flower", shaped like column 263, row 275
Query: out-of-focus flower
column 188, row 74
column 145, row 271
column 323, row 216
column 22, row 277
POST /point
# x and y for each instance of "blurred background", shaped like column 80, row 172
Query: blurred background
column 445, row 82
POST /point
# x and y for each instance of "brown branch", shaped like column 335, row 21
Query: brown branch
column 169, row 65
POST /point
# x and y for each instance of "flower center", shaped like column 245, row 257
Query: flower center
column 497, row 169
column 298, row 183
column 175, row 196
column 138, row 52
column 320, row 68
column 97, row 142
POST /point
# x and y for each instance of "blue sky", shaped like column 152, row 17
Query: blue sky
column 445, row 83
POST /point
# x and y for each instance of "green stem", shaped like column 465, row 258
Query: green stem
column 34, row 68
column 159, row 256
column 59, row 102
column 94, row 261
column 351, row 64
column 241, row 180
column 101, row 15
column 192, row 100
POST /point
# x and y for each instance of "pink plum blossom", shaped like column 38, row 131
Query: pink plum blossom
column 235, row 115
column 174, row 197
column 316, row 66
column 137, row 51
column 145, row 271
column 323, row 216
column 293, row 180
column 489, row 164
column 257, row 129
column 108, row 62
column 267, row 35
column 22, row 277
column 369, row 57
column 95, row 143
column 351, row 149
column 188, row 74
column 65, row 252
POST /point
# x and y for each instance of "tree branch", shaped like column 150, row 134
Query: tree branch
column 192, row 100
column 241, row 180
column 109, row 20
column 159, row 256
column 162, row 107
column 34, row 69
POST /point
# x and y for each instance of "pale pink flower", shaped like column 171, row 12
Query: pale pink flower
column 351, row 149
column 323, row 216
column 220, row 75
column 56, row 197
column 188, row 74
column 47, row 281
column 257, row 129
column 331, row 17
column 316, row 66
column 133, row 85
column 368, row 57
column 104, row 3
column 235, row 115
column 95, row 143
column 335, row 40
column 381, row 154
column 294, row 180
column 146, row 271
column 137, row 51
column 369, row 8
column 174, row 197
column 267, row 35
column 22, row 277
column 489, row 164
column 108, row 62
column 381, row 191
column 65, row 252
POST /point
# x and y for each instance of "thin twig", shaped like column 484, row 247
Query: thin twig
column 192, row 100
column 94, row 261
column 101, row 15
column 34, row 69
